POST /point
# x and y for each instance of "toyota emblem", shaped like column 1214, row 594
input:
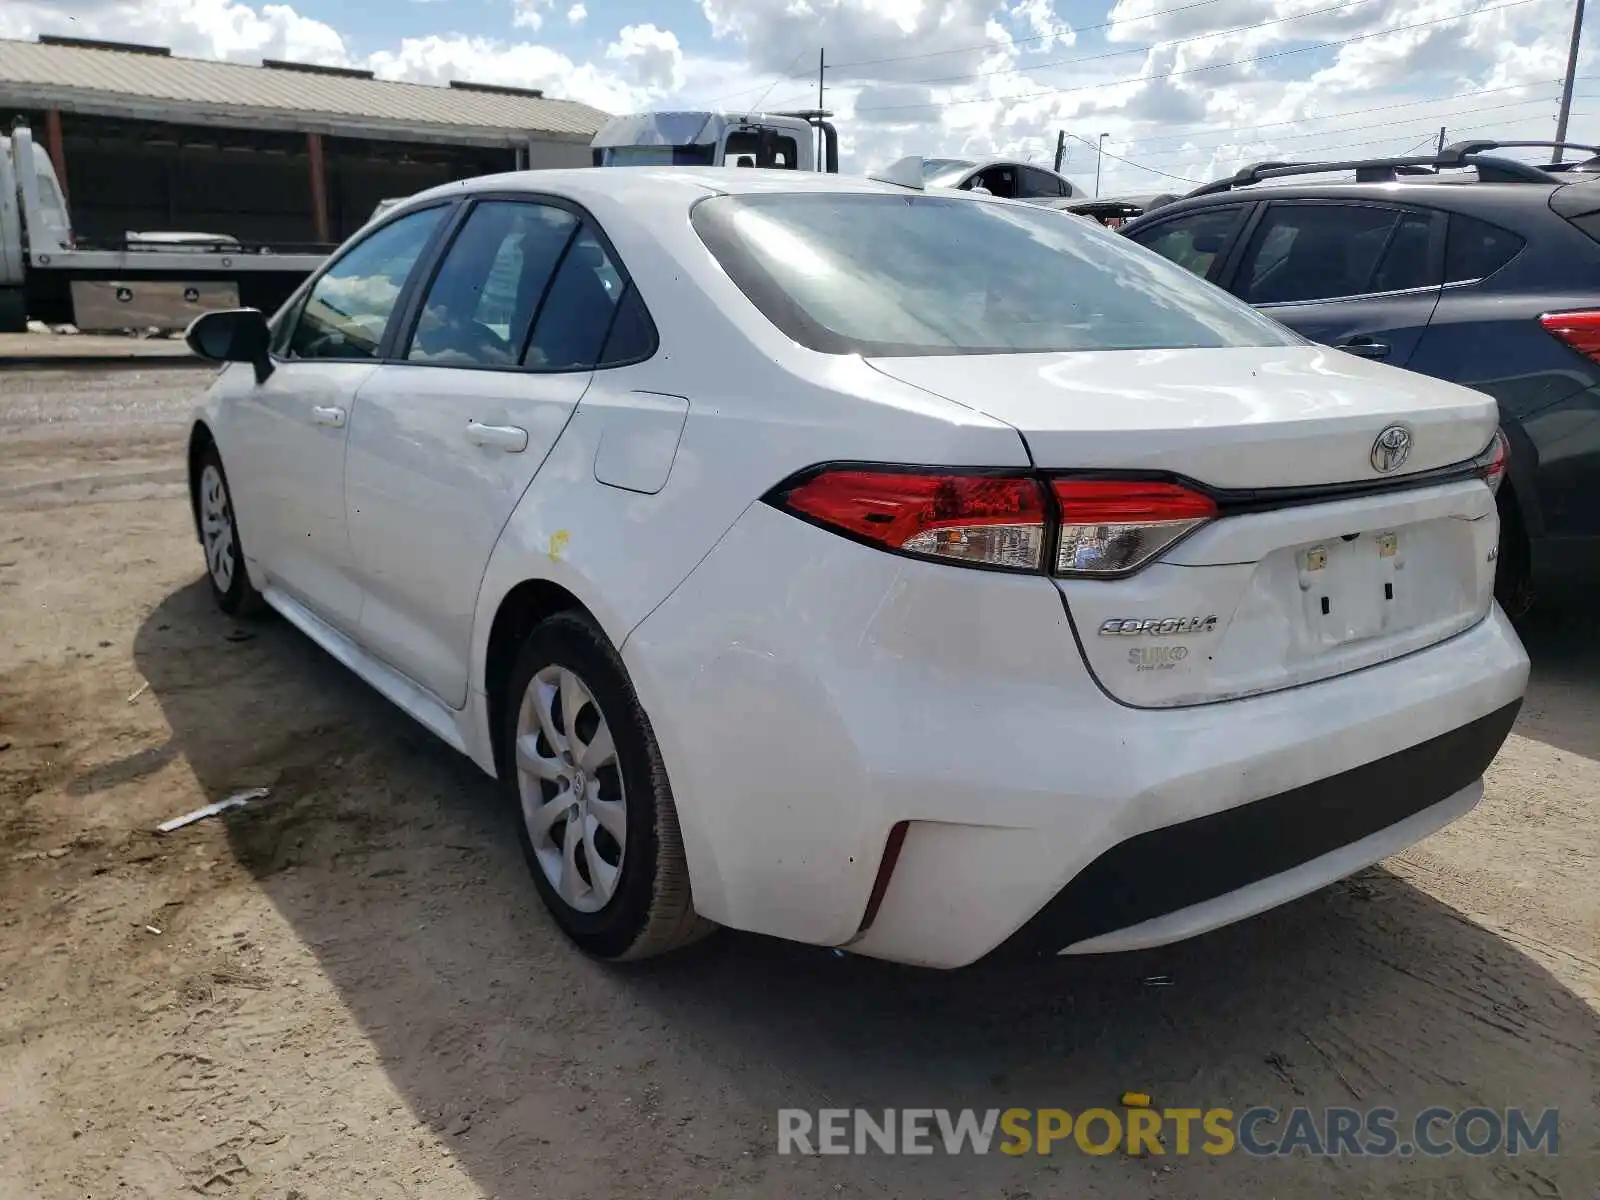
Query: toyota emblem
column 1391, row 449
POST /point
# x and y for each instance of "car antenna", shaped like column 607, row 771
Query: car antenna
column 906, row 173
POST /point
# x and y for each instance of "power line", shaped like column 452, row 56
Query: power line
column 1072, row 62
column 1322, row 133
column 776, row 80
column 1095, row 87
column 1129, row 162
column 1056, row 32
column 1354, row 112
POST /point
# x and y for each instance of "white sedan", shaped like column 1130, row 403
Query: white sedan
column 863, row 565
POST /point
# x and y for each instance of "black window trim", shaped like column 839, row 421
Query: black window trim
column 291, row 311
column 412, row 312
column 1437, row 219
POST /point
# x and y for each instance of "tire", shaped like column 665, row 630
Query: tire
column 1513, row 575
column 636, row 902
column 219, row 538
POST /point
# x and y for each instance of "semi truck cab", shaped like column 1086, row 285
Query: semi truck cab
column 775, row 141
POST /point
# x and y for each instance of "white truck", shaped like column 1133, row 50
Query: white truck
column 781, row 141
column 138, row 281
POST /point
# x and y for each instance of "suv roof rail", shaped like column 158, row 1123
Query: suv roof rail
column 1373, row 170
column 1459, row 150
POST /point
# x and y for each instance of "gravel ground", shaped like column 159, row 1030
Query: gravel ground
column 350, row 989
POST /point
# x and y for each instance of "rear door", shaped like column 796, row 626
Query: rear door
column 1364, row 277
column 444, row 441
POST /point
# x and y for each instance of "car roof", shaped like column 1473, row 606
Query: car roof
column 669, row 186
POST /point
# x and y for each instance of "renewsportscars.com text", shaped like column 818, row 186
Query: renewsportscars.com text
column 1260, row 1131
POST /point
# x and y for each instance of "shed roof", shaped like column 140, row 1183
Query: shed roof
column 150, row 82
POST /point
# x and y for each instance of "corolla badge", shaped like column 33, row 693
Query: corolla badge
column 1391, row 449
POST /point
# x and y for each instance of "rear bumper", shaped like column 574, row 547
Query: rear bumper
column 1152, row 887
column 810, row 695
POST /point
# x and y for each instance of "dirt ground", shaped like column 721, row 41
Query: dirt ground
column 349, row 990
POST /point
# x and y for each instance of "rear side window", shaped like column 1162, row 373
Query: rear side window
column 785, row 151
column 1037, row 184
column 1476, row 249
column 1193, row 241
column 882, row 275
column 576, row 316
column 1306, row 252
column 489, row 286
column 633, row 334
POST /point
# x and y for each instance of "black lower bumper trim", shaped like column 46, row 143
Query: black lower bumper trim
column 1168, row 869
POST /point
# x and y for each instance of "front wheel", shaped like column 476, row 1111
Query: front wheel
column 598, row 825
column 219, row 536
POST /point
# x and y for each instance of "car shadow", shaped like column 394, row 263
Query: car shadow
column 395, row 862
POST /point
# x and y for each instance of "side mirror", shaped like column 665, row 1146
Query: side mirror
column 232, row 335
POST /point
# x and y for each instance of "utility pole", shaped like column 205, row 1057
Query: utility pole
column 1099, row 157
column 1566, row 86
column 821, row 68
column 1061, row 148
column 1441, row 140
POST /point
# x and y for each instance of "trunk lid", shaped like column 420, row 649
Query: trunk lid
column 1291, row 589
column 1249, row 417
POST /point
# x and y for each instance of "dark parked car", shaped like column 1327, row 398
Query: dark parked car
column 1468, row 266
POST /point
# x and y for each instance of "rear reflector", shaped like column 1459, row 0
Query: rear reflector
column 1580, row 330
column 1114, row 526
column 979, row 519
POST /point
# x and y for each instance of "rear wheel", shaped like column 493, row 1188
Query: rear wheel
column 219, row 536
column 598, row 825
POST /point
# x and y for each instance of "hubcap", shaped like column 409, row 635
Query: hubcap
column 568, row 777
column 216, row 528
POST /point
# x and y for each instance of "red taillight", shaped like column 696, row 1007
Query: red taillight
column 1580, row 330
column 1113, row 526
column 980, row 519
column 1492, row 462
column 1108, row 527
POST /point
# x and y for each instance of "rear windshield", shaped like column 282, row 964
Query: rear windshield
column 887, row 275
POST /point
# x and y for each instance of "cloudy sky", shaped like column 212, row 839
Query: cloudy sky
column 1186, row 89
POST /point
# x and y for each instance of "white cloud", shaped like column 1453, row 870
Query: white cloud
column 201, row 28
column 528, row 14
column 653, row 55
column 972, row 76
column 438, row 59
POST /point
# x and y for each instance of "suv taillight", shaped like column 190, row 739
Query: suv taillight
column 1098, row 527
column 1580, row 330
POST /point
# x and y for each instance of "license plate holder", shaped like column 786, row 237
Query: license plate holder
column 1349, row 586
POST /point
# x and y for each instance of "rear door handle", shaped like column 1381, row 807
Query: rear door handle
column 1365, row 348
column 330, row 415
column 510, row 438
